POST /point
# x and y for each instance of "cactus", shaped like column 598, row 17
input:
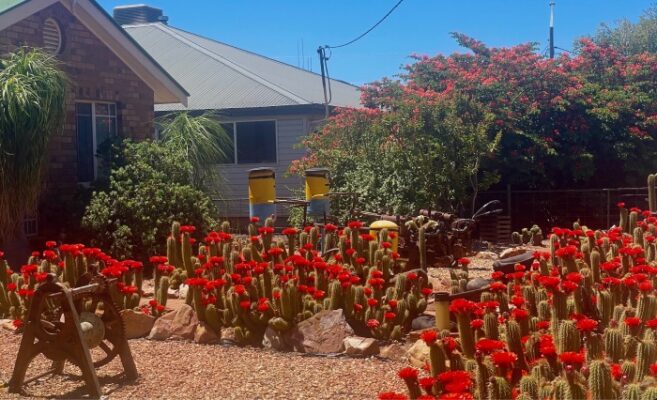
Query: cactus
column 422, row 248
column 614, row 344
column 600, row 381
column 437, row 359
column 569, row 338
column 499, row 388
column 212, row 318
column 490, row 326
column 646, row 355
column 631, row 392
column 529, row 386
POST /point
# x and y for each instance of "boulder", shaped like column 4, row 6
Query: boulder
column 274, row 339
column 360, row 346
column 136, row 323
column 423, row 322
column 418, row 354
column 8, row 324
column 394, row 351
column 512, row 252
column 477, row 283
column 228, row 335
column 487, row 255
column 182, row 291
column 179, row 324
column 205, row 335
column 324, row 332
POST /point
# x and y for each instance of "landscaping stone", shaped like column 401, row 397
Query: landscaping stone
column 274, row 340
column 394, row 351
column 182, row 291
column 418, row 354
column 205, row 335
column 7, row 324
column 228, row 335
column 512, row 252
column 487, row 255
column 324, row 332
column 360, row 346
column 477, row 283
column 423, row 322
column 179, row 324
column 136, row 323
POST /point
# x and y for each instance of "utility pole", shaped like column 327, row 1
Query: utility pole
column 551, row 29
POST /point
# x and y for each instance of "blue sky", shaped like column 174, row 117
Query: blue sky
column 277, row 28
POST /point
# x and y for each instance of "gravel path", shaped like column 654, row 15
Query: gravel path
column 183, row 370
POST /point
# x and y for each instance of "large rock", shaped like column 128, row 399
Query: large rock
column 205, row 335
column 228, row 335
column 512, row 252
column 179, row 324
column 274, row 340
column 136, row 323
column 8, row 324
column 324, row 332
column 182, row 291
column 395, row 351
column 422, row 322
column 360, row 346
column 418, row 354
column 487, row 255
column 477, row 283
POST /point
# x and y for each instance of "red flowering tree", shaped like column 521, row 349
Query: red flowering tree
column 588, row 119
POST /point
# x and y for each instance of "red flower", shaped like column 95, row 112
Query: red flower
column 543, row 325
column 408, row 373
column 254, row 220
column 429, row 336
column 290, row 231
column 372, row 323
column 11, row 287
column 464, row 261
column 632, row 322
column 245, row 304
column 489, row 346
column 50, row 244
column 653, row 369
column 392, row 396
column 572, row 358
column 427, row 383
column 458, row 381
column 519, row 313
column 426, row 291
column 354, row 225
column 504, row 358
column 652, row 323
column 330, row 228
column 390, row 316
column 497, row 287
column 17, row 323
column 587, row 325
column 462, row 306
column 477, row 323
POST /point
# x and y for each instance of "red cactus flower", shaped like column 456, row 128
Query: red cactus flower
column 504, row 358
column 463, row 261
column 587, row 324
column 245, row 304
column 651, row 323
column 429, row 336
column 572, row 358
column 354, row 225
column 488, row 346
column 477, row 323
column 632, row 322
column 462, row 306
column 392, row 396
column 372, row 323
column 427, row 383
column 426, row 291
column 289, row 231
column 519, row 313
column 543, row 325
column 408, row 373
column 11, row 287
column 254, row 220
column 386, row 245
column 653, row 369
column 50, row 244
column 17, row 323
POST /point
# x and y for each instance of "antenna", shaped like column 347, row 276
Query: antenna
column 552, row 29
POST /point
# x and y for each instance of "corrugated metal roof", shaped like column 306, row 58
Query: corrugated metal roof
column 219, row 76
column 9, row 4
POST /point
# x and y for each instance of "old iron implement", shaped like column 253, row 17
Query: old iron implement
column 64, row 324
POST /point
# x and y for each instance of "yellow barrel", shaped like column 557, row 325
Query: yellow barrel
column 262, row 193
column 317, row 189
column 442, row 310
column 376, row 227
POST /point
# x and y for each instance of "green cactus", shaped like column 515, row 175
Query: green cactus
column 516, row 238
column 600, row 381
column 631, row 392
column 529, row 386
column 646, row 355
column 595, row 265
column 569, row 338
column 614, row 344
column 650, row 393
column 422, row 247
column 623, row 219
column 628, row 368
column 437, row 359
column 499, row 388
column 491, row 326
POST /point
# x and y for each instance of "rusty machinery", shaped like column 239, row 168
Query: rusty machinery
column 64, row 324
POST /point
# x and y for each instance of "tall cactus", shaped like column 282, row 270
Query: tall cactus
column 600, row 381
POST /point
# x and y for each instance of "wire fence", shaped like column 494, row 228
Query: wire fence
column 547, row 208
column 236, row 211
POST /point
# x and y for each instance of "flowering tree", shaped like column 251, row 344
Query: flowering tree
column 588, row 119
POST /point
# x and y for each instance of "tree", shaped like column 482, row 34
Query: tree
column 631, row 38
column 32, row 109
column 202, row 141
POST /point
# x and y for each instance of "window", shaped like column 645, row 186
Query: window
column 30, row 225
column 95, row 124
column 52, row 37
column 252, row 142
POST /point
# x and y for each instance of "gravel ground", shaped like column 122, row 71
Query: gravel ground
column 183, row 370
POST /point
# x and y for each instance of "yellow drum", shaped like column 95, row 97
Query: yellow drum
column 376, row 227
column 317, row 189
column 262, row 193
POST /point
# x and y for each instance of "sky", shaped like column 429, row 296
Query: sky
column 277, row 28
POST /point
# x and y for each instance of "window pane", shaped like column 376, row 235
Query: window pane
column 102, row 109
column 85, row 147
column 256, row 142
column 229, row 148
column 83, row 108
column 112, row 109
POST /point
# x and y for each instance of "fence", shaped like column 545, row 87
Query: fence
column 547, row 208
column 236, row 211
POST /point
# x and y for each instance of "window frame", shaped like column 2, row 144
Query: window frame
column 94, row 135
column 234, row 123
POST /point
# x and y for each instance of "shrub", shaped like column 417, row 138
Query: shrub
column 146, row 194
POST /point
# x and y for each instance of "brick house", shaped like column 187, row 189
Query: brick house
column 114, row 83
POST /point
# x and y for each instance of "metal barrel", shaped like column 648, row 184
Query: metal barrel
column 317, row 189
column 262, row 193
column 377, row 226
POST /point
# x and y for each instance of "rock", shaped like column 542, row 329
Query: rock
column 172, row 294
column 182, row 291
column 136, row 323
column 477, row 283
column 512, row 252
column 415, row 335
column 8, row 324
column 324, row 332
column 394, row 351
column 360, row 346
column 205, row 335
column 487, row 255
column 179, row 324
column 423, row 322
column 228, row 335
column 274, row 340
column 418, row 354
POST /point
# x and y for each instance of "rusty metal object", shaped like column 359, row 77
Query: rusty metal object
column 54, row 329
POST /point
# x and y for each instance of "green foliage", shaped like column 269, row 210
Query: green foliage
column 631, row 38
column 32, row 107
column 151, row 190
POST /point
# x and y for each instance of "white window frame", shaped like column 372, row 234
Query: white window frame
column 94, row 136
column 234, row 123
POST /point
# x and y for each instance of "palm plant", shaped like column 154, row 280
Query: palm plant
column 202, row 140
column 32, row 109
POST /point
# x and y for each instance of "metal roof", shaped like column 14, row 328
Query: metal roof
column 219, row 76
column 9, row 4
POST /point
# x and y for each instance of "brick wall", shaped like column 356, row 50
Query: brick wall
column 96, row 74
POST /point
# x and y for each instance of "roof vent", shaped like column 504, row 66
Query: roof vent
column 138, row 14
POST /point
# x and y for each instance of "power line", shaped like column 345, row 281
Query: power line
column 323, row 59
column 369, row 30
